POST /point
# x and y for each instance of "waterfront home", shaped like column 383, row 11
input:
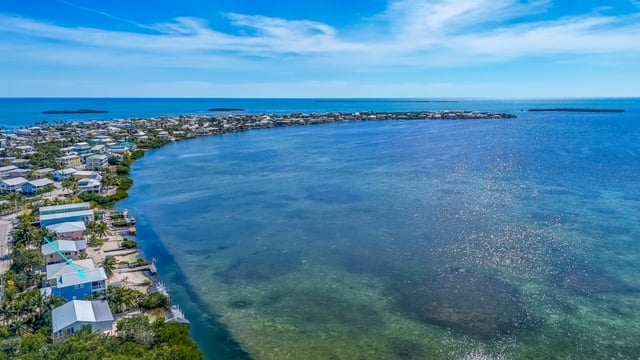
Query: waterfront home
column 66, row 281
column 60, row 175
column 76, row 314
column 50, row 215
column 12, row 185
column 71, row 249
column 6, row 170
column 33, row 186
column 73, row 230
column 70, row 161
column 97, row 162
column 90, row 186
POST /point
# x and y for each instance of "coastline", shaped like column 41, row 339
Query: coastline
column 149, row 134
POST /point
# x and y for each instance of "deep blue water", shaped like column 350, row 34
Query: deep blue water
column 401, row 239
column 18, row 112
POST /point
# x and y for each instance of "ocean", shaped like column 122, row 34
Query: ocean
column 505, row 239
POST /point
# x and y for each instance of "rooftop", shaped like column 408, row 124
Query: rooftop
column 80, row 311
column 41, row 182
column 55, row 270
column 15, row 181
column 46, row 209
column 64, row 246
column 67, row 227
column 63, row 215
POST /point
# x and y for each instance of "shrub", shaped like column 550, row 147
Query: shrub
column 128, row 244
column 154, row 301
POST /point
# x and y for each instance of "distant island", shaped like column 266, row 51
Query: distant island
column 383, row 101
column 226, row 109
column 78, row 111
column 581, row 110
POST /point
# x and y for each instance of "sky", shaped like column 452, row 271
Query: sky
column 328, row 48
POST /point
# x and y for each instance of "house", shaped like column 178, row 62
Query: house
column 73, row 230
column 63, row 174
column 13, row 184
column 40, row 173
column 82, row 147
column 70, row 161
column 20, row 162
column 6, row 170
column 96, row 162
column 25, row 148
column 85, row 174
column 74, row 315
column 51, row 215
column 19, row 173
column 71, row 249
column 99, row 149
column 77, row 281
column 33, row 186
column 90, row 186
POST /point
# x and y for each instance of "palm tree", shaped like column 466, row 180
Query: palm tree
column 122, row 299
column 70, row 184
column 109, row 265
column 96, row 229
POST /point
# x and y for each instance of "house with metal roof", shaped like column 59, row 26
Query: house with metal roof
column 50, row 215
column 77, row 281
column 33, row 186
column 5, row 170
column 60, row 175
column 70, row 249
column 13, row 184
column 96, row 162
column 74, row 315
column 73, row 230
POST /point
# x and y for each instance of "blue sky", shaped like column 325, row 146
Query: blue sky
column 329, row 48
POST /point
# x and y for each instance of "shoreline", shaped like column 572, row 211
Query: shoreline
column 154, row 133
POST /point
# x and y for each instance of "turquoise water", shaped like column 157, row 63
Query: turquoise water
column 434, row 239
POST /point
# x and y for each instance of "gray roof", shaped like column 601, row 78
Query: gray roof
column 55, row 270
column 64, row 246
column 84, row 205
column 67, row 171
column 66, row 215
column 15, row 181
column 80, row 311
column 72, row 279
column 67, row 227
column 8, row 168
column 40, row 182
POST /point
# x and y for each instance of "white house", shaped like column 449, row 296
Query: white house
column 89, row 186
column 73, row 230
column 13, row 184
column 72, row 316
column 6, row 170
column 69, row 248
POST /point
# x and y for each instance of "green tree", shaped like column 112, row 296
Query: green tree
column 109, row 265
column 71, row 184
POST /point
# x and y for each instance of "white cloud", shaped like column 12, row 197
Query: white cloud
column 410, row 32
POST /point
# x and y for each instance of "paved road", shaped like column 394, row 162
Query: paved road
column 5, row 256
